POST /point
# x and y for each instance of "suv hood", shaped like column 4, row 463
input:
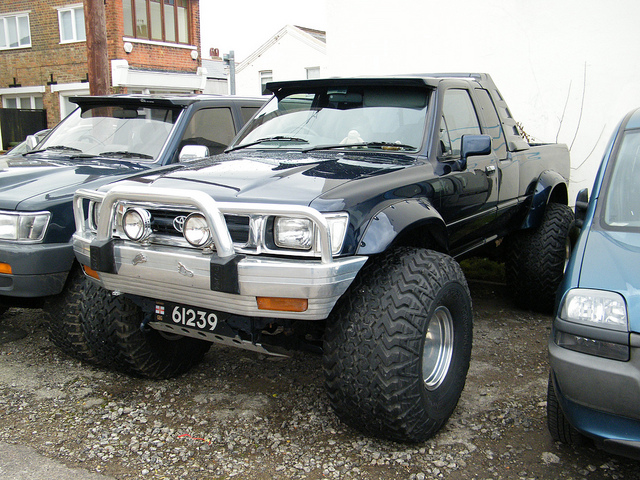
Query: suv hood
column 272, row 177
column 610, row 262
column 33, row 183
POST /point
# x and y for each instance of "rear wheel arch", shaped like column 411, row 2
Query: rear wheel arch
column 551, row 187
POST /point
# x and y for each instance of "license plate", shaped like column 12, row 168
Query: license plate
column 190, row 317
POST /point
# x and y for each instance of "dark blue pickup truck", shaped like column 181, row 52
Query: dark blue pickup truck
column 334, row 221
column 105, row 139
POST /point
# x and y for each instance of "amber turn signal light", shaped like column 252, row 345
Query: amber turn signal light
column 283, row 304
column 5, row 268
column 90, row 272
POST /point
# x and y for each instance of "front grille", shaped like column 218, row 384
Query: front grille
column 163, row 222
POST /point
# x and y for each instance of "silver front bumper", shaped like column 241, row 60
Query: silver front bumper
column 183, row 275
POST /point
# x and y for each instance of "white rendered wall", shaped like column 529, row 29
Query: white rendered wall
column 568, row 69
column 287, row 59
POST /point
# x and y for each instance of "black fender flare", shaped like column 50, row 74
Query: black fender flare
column 550, row 187
column 394, row 221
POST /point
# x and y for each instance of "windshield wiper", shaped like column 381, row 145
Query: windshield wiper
column 388, row 146
column 55, row 147
column 125, row 154
column 277, row 138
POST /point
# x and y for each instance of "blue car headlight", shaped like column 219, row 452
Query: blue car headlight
column 601, row 311
column 598, row 308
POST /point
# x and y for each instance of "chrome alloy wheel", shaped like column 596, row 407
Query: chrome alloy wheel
column 438, row 348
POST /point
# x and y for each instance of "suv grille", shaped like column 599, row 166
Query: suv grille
column 164, row 222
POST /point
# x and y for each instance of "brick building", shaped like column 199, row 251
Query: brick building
column 153, row 46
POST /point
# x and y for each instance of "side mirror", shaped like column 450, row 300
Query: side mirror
column 32, row 141
column 193, row 152
column 473, row 145
column 582, row 204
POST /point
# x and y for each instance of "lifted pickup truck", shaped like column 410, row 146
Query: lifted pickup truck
column 106, row 138
column 333, row 221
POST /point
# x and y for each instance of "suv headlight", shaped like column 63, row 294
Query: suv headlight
column 296, row 233
column 23, row 226
column 300, row 234
column 597, row 308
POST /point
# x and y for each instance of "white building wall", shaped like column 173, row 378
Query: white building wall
column 567, row 69
column 288, row 59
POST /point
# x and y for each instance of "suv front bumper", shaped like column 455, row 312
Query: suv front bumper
column 38, row 270
column 599, row 396
column 227, row 280
column 183, row 276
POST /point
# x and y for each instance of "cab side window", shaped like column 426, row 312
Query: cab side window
column 458, row 118
column 492, row 122
column 211, row 127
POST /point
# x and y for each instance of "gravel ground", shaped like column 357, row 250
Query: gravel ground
column 244, row 415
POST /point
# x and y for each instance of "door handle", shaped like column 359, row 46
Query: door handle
column 490, row 169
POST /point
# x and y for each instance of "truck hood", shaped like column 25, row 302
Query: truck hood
column 610, row 262
column 34, row 183
column 272, row 177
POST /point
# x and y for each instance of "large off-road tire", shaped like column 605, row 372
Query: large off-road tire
column 558, row 425
column 536, row 259
column 397, row 348
column 150, row 353
column 64, row 322
column 100, row 312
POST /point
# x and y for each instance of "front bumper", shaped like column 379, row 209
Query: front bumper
column 599, row 396
column 227, row 280
column 182, row 276
column 38, row 270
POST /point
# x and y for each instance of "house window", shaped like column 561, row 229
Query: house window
column 15, row 31
column 162, row 20
column 265, row 77
column 313, row 72
column 27, row 102
column 71, row 21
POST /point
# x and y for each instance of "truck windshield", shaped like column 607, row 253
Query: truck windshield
column 126, row 132
column 389, row 118
column 621, row 208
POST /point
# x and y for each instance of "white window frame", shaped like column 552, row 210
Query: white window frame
column 4, row 18
column 266, row 76
column 74, row 26
column 312, row 72
column 19, row 93
column 66, row 90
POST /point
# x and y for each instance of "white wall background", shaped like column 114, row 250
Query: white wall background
column 288, row 58
column 568, row 69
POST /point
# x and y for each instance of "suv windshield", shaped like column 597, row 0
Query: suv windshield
column 621, row 210
column 389, row 118
column 125, row 132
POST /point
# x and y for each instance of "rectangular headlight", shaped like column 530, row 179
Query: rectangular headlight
column 23, row 226
column 300, row 233
column 291, row 232
column 597, row 308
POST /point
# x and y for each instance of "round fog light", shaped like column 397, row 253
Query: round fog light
column 136, row 223
column 196, row 230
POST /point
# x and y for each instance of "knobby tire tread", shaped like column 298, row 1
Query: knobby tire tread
column 148, row 353
column 536, row 258
column 373, row 345
column 64, row 321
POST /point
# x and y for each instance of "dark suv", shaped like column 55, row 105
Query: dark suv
column 105, row 139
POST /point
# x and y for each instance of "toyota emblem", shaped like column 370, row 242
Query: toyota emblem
column 178, row 223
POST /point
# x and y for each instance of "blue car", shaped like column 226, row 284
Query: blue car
column 594, row 348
